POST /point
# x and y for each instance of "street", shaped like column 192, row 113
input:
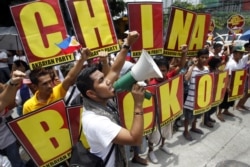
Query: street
column 227, row 143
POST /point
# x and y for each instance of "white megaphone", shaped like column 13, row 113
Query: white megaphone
column 145, row 68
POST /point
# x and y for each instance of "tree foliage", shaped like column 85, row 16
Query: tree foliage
column 189, row 6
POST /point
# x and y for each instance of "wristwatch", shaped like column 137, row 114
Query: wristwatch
column 126, row 46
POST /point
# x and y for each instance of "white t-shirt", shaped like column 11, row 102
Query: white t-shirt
column 232, row 65
column 18, row 98
column 189, row 103
column 100, row 132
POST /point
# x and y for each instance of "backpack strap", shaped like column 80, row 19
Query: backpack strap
column 71, row 94
column 109, row 154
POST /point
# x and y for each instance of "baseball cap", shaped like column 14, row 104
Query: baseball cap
column 239, row 49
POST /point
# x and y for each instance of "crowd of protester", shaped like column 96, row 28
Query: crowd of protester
column 89, row 82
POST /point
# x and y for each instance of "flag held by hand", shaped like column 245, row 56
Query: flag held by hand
column 69, row 45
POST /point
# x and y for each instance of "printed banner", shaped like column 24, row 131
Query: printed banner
column 93, row 25
column 149, row 23
column 186, row 27
column 40, row 25
column 203, row 93
column 220, row 86
column 170, row 99
column 44, row 134
column 74, row 120
column 126, row 109
column 237, row 84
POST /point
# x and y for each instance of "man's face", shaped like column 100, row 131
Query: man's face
column 102, row 87
column 247, row 48
column 218, row 49
column 45, row 85
column 202, row 60
column 238, row 55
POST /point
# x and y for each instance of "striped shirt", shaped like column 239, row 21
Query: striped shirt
column 189, row 103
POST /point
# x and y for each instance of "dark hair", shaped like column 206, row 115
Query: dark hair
column 216, row 45
column 214, row 62
column 36, row 73
column 202, row 52
column 161, row 61
column 65, row 68
column 20, row 63
column 247, row 45
column 84, row 82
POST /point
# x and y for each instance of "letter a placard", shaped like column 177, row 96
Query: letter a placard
column 186, row 27
column 44, row 134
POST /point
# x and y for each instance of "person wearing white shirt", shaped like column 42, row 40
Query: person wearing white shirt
column 236, row 63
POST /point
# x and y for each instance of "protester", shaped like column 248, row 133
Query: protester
column 194, row 70
column 8, row 144
column 165, row 131
column 100, row 121
column 217, row 48
column 46, row 93
column 233, row 64
column 213, row 65
column 9, row 92
column 241, row 103
column 26, row 90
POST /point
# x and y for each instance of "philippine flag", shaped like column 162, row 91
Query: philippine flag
column 69, row 45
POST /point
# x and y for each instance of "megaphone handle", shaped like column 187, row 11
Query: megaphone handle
column 147, row 95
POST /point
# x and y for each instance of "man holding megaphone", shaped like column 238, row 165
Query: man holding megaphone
column 100, row 119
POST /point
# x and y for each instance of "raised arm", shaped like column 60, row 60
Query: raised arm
column 189, row 72
column 9, row 93
column 103, row 55
column 121, row 57
column 134, row 135
column 184, row 50
column 73, row 73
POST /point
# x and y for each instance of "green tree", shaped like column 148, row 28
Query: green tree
column 189, row 6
